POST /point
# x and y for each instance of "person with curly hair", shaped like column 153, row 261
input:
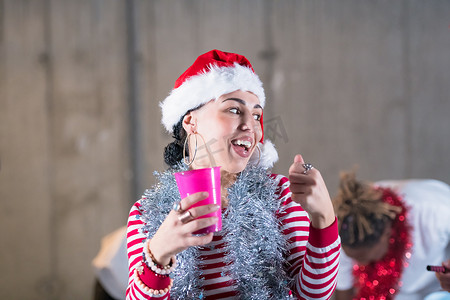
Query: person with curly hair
column 390, row 231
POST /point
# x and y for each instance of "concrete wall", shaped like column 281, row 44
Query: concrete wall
column 348, row 82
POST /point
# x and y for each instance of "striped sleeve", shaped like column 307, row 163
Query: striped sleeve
column 135, row 240
column 313, row 257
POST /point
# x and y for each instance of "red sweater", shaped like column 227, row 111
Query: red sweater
column 313, row 254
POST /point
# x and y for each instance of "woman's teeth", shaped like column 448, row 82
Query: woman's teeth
column 246, row 144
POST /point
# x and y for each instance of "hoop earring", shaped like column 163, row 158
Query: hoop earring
column 184, row 149
column 259, row 155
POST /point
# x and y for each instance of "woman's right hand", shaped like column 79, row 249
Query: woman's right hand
column 444, row 278
column 174, row 236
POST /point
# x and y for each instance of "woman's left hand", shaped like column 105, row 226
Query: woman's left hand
column 309, row 190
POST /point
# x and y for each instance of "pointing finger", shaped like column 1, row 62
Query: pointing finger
column 297, row 166
column 299, row 159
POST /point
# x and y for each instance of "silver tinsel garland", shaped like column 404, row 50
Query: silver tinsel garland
column 254, row 243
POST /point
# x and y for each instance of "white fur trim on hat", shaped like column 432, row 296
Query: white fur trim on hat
column 209, row 85
column 269, row 155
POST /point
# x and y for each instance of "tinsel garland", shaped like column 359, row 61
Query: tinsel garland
column 254, row 243
column 381, row 280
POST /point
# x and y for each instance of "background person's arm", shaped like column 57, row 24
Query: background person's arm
column 343, row 294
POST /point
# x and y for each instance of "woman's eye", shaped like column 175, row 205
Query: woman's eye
column 257, row 117
column 234, row 110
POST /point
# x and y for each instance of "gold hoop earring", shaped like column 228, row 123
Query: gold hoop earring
column 184, row 149
column 259, row 155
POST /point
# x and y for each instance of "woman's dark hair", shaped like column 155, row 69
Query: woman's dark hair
column 361, row 212
column 349, row 229
column 173, row 152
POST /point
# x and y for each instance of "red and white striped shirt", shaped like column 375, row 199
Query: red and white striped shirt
column 313, row 254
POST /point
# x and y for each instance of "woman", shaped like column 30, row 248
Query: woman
column 279, row 235
column 391, row 231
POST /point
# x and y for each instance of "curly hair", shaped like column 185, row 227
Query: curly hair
column 173, row 152
column 362, row 214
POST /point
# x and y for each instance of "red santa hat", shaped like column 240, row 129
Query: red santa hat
column 212, row 75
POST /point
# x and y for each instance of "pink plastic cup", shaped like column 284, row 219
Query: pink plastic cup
column 202, row 180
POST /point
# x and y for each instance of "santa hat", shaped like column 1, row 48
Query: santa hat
column 212, row 75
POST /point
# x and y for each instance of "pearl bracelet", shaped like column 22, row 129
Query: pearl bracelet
column 144, row 287
column 149, row 260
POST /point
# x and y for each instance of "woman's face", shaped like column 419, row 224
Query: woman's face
column 230, row 126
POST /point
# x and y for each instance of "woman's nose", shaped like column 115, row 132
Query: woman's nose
column 247, row 123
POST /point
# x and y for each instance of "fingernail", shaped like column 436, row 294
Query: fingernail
column 217, row 207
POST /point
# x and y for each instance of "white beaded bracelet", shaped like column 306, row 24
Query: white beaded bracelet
column 144, row 287
column 149, row 260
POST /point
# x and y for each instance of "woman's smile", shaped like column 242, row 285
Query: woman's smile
column 243, row 146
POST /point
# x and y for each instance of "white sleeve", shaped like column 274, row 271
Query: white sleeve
column 345, row 275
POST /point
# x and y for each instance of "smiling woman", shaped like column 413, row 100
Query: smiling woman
column 279, row 237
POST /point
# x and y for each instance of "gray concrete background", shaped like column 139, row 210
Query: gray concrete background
column 349, row 82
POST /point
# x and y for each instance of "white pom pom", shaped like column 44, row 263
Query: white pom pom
column 269, row 155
